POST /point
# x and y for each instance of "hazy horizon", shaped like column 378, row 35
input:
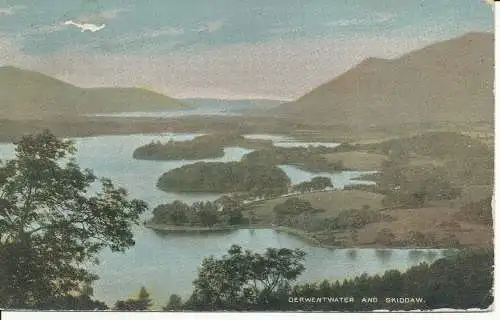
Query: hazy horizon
column 223, row 49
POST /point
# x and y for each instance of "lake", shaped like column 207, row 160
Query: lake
column 167, row 114
column 167, row 263
column 288, row 142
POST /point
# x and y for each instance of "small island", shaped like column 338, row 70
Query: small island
column 203, row 147
column 306, row 158
column 220, row 177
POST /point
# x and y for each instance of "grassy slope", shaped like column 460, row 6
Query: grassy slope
column 449, row 81
column 28, row 95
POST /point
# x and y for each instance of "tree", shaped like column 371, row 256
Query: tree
column 320, row 183
column 293, row 206
column 245, row 280
column 141, row 303
column 231, row 208
column 176, row 213
column 174, row 303
column 144, row 299
column 316, row 183
column 82, row 301
column 206, row 212
column 51, row 223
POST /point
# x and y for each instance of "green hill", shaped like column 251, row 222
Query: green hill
column 32, row 95
column 448, row 81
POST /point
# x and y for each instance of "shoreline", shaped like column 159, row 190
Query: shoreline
column 304, row 236
column 76, row 127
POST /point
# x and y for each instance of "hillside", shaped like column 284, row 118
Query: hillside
column 448, row 81
column 235, row 106
column 30, row 95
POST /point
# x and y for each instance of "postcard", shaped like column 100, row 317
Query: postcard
column 179, row 156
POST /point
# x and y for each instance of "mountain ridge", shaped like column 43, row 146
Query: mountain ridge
column 443, row 81
column 26, row 94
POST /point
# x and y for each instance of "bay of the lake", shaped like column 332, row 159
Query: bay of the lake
column 167, row 263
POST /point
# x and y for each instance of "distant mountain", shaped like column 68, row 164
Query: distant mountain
column 28, row 94
column 233, row 106
column 448, row 81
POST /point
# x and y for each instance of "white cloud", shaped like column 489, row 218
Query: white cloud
column 83, row 19
column 85, row 26
column 10, row 11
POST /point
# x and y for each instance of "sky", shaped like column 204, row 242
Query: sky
column 224, row 49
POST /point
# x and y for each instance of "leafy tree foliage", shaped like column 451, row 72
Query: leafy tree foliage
column 227, row 210
column 414, row 187
column 141, row 303
column 202, row 147
column 174, row 303
column 307, row 158
column 255, row 179
column 50, row 223
column 179, row 150
column 206, row 212
column 82, row 301
column 247, row 281
column 242, row 279
column 297, row 213
column 462, row 281
column 316, row 183
column 231, row 208
column 358, row 218
column 176, row 213
column 293, row 206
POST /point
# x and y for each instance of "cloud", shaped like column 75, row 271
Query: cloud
column 210, row 26
column 83, row 19
column 85, row 26
column 377, row 18
column 10, row 11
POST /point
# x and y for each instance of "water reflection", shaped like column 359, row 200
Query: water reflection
column 415, row 255
column 289, row 142
column 352, row 254
column 339, row 179
column 430, row 255
column 384, row 255
column 190, row 234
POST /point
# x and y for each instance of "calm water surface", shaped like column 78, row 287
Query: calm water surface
column 167, row 263
column 288, row 142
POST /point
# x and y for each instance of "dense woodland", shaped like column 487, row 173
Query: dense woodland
column 316, row 183
column 178, row 150
column 307, row 158
column 226, row 211
column 218, row 177
column 202, row 147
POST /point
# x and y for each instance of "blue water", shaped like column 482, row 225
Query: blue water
column 167, row 264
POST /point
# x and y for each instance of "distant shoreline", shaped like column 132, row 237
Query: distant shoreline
column 76, row 127
column 304, row 236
